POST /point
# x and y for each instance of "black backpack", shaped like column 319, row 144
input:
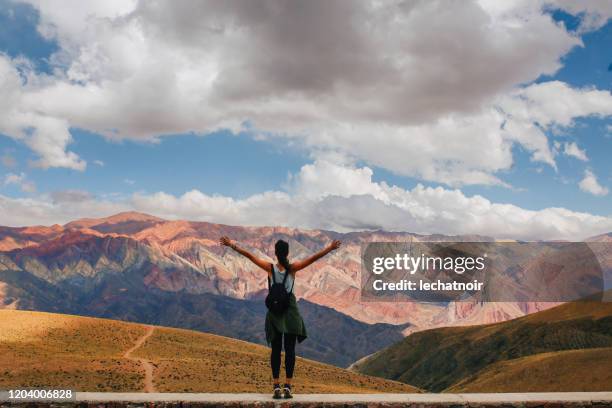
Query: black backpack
column 277, row 300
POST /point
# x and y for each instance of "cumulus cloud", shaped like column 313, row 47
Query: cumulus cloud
column 555, row 103
column 425, row 89
column 330, row 196
column 46, row 134
column 591, row 185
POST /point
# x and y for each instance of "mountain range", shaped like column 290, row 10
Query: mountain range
column 141, row 268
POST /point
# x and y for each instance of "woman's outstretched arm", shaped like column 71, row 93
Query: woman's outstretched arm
column 301, row 264
column 256, row 260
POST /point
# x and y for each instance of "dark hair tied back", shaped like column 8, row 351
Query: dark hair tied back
column 281, row 249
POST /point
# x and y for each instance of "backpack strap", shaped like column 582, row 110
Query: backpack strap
column 292, row 285
column 285, row 280
column 273, row 280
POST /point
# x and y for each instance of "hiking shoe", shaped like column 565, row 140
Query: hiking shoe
column 277, row 392
column 287, row 391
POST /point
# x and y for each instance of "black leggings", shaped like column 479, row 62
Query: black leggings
column 275, row 355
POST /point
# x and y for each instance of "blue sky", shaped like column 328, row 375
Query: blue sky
column 239, row 164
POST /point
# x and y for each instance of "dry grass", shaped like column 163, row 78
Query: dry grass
column 576, row 370
column 573, row 310
column 188, row 361
column 60, row 351
column 86, row 354
column 507, row 356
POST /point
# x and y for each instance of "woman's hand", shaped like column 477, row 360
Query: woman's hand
column 227, row 242
column 303, row 263
column 334, row 245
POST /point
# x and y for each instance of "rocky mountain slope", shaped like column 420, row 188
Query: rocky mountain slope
column 184, row 257
column 141, row 268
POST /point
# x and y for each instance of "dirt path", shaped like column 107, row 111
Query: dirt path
column 146, row 364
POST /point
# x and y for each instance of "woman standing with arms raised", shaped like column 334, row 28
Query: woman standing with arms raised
column 284, row 325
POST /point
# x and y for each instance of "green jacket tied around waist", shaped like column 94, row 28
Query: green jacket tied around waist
column 288, row 322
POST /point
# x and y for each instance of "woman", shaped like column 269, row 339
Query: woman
column 287, row 327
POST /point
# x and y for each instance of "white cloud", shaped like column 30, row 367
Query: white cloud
column 572, row 149
column 47, row 135
column 468, row 148
column 98, row 163
column 12, row 178
column 44, row 210
column 531, row 110
column 311, row 200
column 432, row 90
column 414, row 87
column 556, row 103
column 590, row 184
column 595, row 13
column 21, row 181
column 129, row 181
column 592, row 14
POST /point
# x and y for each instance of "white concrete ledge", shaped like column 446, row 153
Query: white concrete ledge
column 186, row 400
column 497, row 398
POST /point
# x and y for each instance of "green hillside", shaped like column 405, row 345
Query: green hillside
column 440, row 358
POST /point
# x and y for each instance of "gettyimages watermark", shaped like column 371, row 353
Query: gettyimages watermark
column 485, row 271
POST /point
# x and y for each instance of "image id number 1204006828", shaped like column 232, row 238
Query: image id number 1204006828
column 37, row 395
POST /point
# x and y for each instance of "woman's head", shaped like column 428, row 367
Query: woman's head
column 281, row 250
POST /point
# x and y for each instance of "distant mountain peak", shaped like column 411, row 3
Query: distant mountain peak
column 122, row 217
